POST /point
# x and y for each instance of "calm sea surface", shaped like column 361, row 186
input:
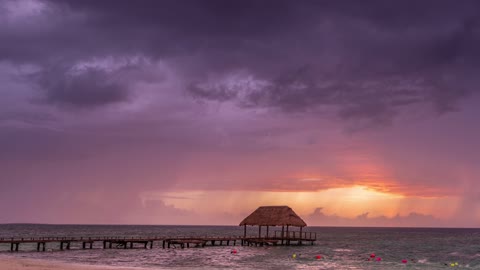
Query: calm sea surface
column 341, row 248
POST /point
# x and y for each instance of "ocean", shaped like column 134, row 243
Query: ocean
column 339, row 247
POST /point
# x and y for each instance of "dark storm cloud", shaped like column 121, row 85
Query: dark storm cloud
column 439, row 72
column 369, row 59
column 89, row 28
column 90, row 88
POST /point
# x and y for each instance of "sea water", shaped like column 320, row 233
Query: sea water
column 339, row 247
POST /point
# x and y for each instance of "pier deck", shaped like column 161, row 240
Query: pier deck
column 65, row 243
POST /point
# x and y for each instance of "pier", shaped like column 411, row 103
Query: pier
column 265, row 216
column 66, row 243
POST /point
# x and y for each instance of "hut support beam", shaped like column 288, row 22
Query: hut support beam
column 288, row 236
column 300, row 241
column 259, row 231
column 245, row 230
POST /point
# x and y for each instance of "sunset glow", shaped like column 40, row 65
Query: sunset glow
column 348, row 202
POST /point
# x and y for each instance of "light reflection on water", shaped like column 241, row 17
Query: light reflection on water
column 341, row 248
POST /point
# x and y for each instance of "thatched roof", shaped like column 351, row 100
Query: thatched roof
column 273, row 216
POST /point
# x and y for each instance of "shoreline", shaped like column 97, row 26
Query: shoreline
column 15, row 263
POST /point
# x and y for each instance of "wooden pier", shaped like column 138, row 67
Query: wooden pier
column 66, row 243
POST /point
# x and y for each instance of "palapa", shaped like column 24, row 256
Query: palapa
column 273, row 216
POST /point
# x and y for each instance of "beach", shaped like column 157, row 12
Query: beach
column 13, row 263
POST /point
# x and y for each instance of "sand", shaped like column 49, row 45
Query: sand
column 12, row 263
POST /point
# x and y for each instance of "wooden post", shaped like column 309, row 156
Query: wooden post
column 44, row 243
column 151, row 245
column 283, row 228
column 267, row 231
column 61, row 245
column 259, row 231
column 300, row 242
column 288, row 236
column 245, row 230
column 38, row 246
column 83, row 245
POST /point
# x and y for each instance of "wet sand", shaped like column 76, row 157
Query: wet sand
column 13, row 263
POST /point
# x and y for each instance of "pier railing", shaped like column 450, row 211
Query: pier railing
column 293, row 235
column 277, row 235
column 106, row 238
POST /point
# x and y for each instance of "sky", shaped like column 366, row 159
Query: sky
column 353, row 113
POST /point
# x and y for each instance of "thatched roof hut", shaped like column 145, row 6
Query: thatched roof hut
column 273, row 216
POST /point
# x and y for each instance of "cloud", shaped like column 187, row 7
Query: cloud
column 94, row 206
column 94, row 82
column 411, row 220
column 89, row 88
column 370, row 61
column 367, row 70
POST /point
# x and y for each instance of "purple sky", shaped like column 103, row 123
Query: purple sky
column 358, row 113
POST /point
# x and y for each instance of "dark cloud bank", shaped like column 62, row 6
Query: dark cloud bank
column 91, row 88
column 368, row 60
